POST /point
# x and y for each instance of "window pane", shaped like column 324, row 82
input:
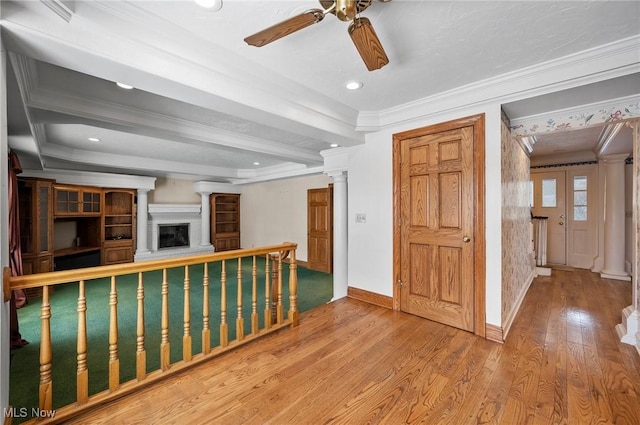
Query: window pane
column 549, row 193
column 580, row 198
column 580, row 213
column 580, row 183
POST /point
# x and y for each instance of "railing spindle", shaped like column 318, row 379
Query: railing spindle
column 114, row 361
column 186, row 338
column 206, row 332
column 280, row 308
column 165, row 351
column 254, row 297
column 224, row 327
column 82, row 374
column 267, row 292
column 294, row 314
column 46, row 384
column 239, row 319
column 141, row 354
column 275, row 317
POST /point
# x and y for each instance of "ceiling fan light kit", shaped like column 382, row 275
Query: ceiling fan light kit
column 360, row 29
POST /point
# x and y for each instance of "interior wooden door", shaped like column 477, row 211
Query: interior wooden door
column 320, row 229
column 437, row 207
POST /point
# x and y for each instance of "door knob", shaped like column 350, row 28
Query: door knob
column 561, row 223
column 466, row 239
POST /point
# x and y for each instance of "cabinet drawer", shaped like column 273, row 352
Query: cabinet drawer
column 118, row 254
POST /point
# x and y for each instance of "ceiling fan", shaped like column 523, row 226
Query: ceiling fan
column 360, row 29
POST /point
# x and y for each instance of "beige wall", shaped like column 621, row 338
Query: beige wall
column 276, row 212
column 173, row 191
column 517, row 265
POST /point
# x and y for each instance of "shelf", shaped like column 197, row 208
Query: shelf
column 74, row 250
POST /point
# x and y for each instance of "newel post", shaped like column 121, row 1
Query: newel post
column 294, row 314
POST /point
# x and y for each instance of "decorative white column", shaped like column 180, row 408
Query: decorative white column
column 205, row 217
column 340, row 235
column 629, row 329
column 614, row 235
column 141, row 235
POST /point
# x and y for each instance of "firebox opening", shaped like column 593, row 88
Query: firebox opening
column 173, row 235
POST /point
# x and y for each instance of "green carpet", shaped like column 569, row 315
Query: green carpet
column 314, row 289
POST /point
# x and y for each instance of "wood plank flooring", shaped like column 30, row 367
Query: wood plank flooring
column 353, row 363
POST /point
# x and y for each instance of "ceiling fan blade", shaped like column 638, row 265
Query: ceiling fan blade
column 366, row 41
column 285, row 28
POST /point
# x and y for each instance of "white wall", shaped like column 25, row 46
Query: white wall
column 4, row 234
column 173, row 191
column 370, row 192
column 276, row 211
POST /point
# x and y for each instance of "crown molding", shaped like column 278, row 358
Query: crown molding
column 121, row 161
column 278, row 172
column 60, row 8
column 88, row 178
column 214, row 187
column 611, row 60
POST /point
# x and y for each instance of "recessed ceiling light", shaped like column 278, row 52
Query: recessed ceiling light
column 256, row 163
column 334, row 145
column 214, row 5
column 353, row 85
column 94, row 139
column 124, row 86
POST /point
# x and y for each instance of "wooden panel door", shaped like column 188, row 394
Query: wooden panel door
column 437, row 205
column 320, row 229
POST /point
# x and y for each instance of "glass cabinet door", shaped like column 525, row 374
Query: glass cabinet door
column 44, row 217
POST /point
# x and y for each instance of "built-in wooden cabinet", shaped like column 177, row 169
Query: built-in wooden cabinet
column 225, row 221
column 119, row 226
column 36, row 225
column 69, row 226
column 73, row 200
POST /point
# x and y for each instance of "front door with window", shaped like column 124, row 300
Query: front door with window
column 549, row 201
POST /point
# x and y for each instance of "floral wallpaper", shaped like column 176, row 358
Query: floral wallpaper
column 604, row 113
column 517, row 256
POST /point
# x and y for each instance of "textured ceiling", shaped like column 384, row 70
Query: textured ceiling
column 208, row 106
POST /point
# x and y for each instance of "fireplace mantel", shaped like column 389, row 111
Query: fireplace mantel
column 156, row 209
column 174, row 214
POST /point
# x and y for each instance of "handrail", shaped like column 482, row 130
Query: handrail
column 273, row 319
column 75, row 275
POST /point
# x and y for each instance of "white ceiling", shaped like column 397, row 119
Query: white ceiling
column 206, row 106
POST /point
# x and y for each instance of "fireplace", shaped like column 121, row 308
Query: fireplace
column 173, row 235
column 174, row 230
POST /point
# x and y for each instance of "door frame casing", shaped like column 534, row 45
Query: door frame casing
column 479, row 274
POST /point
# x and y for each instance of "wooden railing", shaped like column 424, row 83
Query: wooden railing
column 273, row 317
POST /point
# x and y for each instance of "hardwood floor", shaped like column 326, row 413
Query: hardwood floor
column 353, row 363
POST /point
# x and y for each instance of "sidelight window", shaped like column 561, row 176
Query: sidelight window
column 580, row 198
